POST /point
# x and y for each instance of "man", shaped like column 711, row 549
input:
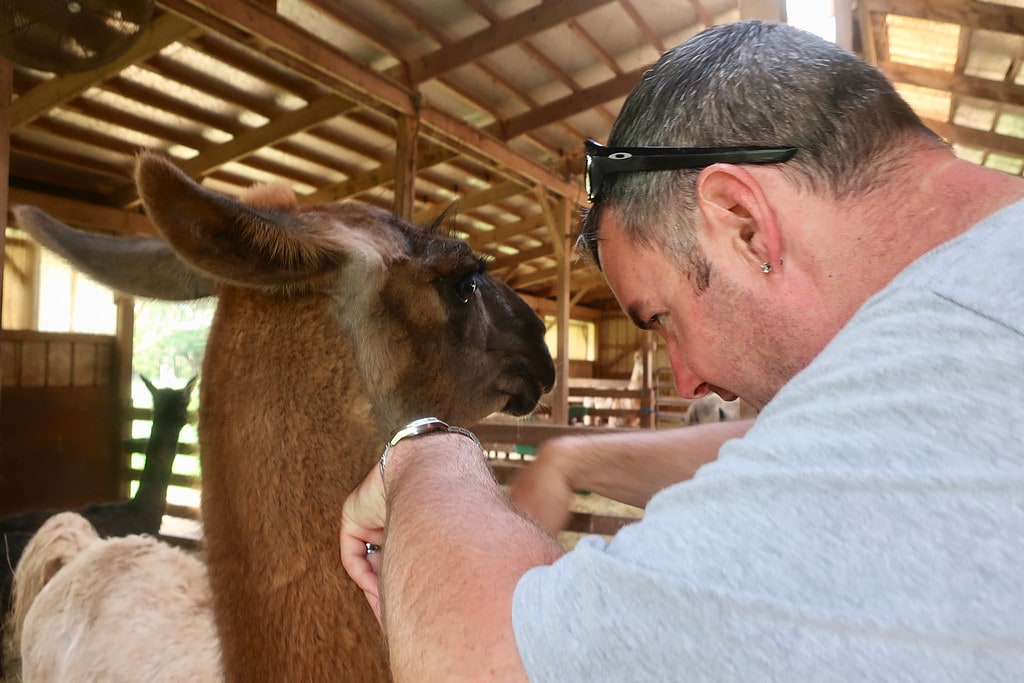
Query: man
column 844, row 273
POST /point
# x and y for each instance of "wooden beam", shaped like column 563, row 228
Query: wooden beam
column 560, row 394
column 543, row 275
column 519, row 27
column 275, row 130
column 768, row 10
column 500, row 235
column 288, row 44
column 867, row 34
column 252, row 140
column 166, row 29
column 406, row 130
column 962, row 85
column 563, row 108
column 86, row 216
column 972, row 15
column 478, row 144
column 363, row 182
column 473, row 200
column 515, row 260
column 6, row 91
column 551, row 221
column 971, row 137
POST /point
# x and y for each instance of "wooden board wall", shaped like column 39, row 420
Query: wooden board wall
column 60, row 424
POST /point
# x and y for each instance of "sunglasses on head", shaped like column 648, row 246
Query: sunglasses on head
column 602, row 161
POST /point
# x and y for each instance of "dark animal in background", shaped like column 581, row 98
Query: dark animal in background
column 142, row 514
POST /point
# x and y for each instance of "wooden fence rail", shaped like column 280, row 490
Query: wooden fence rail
column 509, row 445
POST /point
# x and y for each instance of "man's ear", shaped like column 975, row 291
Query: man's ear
column 737, row 216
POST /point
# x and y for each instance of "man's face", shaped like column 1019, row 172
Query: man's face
column 725, row 339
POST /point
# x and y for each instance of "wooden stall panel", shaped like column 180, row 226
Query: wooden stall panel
column 59, row 423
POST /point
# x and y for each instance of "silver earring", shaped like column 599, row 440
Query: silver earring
column 766, row 267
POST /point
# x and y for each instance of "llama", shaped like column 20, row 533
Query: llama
column 142, row 514
column 711, row 408
column 170, row 608
column 335, row 325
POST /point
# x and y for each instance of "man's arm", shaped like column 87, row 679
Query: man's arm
column 627, row 467
column 453, row 552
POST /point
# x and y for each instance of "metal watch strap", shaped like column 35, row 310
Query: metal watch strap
column 424, row 425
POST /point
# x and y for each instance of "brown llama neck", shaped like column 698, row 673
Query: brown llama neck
column 285, row 434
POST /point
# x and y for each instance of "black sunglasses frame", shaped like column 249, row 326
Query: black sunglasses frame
column 602, row 161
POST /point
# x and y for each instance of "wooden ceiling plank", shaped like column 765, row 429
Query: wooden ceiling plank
column 562, row 108
column 516, row 260
column 978, row 138
column 500, row 235
column 494, row 193
column 88, row 216
column 357, row 184
column 513, row 30
column 275, row 130
column 972, row 15
column 963, row 86
column 242, row 58
column 543, row 275
column 594, row 46
column 285, row 42
column 310, row 55
column 703, row 16
column 165, row 30
column 460, row 137
column 649, row 34
column 84, row 162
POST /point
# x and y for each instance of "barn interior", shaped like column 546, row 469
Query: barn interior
column 480, row 107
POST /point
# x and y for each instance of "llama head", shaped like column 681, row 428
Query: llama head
column 431, row 330
column 170, row 406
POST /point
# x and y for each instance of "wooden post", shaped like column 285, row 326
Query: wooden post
column 560, row 232
column 648, row 403
column 406, row 130
column 844, row 23
column 6, row 89
column 768, row 10
column 123, row 389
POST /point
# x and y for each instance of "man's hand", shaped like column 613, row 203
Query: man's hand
column 542, row 488
column 362, row 523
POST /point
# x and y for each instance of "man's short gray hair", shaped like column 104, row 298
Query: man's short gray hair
column 753, row 83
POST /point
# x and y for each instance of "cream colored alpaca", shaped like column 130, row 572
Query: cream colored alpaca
column 335, row 325
column 167, row 610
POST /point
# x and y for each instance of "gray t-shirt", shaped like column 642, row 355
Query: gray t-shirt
column 869, row 527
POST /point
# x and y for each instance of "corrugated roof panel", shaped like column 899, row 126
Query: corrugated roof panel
column 927, row 102
column 968, row 153
column 975, row 114
column 1005, row 162
column 922, row 42
column 1011, row 122
column 991, row 54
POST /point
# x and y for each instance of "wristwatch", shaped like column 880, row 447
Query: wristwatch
column 424, row 425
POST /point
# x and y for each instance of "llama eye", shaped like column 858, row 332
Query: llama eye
column 466, row 287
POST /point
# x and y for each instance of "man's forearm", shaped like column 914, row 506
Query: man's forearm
column 454, row 550
column 632, row 467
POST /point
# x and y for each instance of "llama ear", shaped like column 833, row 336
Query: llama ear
column 187, row 389
column 141, row 266
column 149, row 385
column 229, row 239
